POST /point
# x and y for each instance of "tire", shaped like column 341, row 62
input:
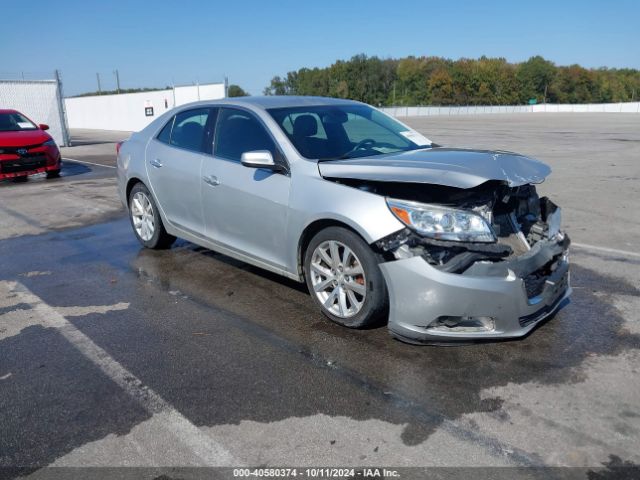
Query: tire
column 145, row 219
column 21, row 179
column 324, row 279
column 53, row 173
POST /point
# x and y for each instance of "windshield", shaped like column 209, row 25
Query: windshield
column 15, row 122
column 332, row 132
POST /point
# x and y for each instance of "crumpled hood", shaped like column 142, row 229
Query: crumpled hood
column 453, row 167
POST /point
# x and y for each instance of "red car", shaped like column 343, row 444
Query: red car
column 25, row 148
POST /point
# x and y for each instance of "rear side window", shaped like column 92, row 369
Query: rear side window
column 189, row 128
column 165, row 134
column 237, row 132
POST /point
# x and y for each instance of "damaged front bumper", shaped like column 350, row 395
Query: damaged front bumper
column 489, row 300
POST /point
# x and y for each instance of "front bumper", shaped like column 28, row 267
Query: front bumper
column 420, row 295
column 38, row 160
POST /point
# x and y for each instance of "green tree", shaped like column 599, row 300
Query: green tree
column 535, row 76
column 236, row 91
column 412, row 81
column 441, row 81
column 574, row 84
column 278, row 86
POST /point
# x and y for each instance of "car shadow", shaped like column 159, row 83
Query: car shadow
column 69, row 169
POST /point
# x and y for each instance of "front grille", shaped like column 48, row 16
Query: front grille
column 23, row 164
column 534, row 284
column 14, row 150
column 559, row 287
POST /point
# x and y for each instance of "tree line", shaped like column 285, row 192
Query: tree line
column 118, row 92
column 441, row 81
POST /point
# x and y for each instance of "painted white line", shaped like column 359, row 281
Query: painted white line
column 605, row 249
column 210, row 452
column 88, row 163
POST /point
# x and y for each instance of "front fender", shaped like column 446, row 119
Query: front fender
column 313, row 198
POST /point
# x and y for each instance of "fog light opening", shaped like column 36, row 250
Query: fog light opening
column 451, row 324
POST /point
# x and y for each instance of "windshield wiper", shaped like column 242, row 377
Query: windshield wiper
column 346, row 156
column 370, row 153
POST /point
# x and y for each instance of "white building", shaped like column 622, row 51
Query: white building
column 134, row 111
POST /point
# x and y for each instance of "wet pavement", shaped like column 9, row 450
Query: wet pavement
column 111, row 355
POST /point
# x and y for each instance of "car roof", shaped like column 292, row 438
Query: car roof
column 278, row 101
column 8, row 110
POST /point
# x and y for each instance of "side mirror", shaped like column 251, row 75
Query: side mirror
column 259, row 159
column 43, row 126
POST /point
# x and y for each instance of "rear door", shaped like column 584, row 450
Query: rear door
column 245, row 208
column 174, row 161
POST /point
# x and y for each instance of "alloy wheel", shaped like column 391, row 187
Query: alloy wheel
column 143, row 216
column 338, row 279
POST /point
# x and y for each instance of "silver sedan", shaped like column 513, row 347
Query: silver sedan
column 441, row 244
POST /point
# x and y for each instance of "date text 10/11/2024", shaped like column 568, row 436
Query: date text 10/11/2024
column 316, row 472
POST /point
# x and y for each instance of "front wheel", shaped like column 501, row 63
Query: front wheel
column 53, row 173
column 145, row 219
column 344, row 279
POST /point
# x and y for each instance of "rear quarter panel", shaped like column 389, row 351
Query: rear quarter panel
column 131, row 159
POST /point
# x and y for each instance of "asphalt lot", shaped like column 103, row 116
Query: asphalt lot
column 115, row 356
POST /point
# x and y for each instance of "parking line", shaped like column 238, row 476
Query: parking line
column 605, row 249
column 210, row 452
column 88, row 163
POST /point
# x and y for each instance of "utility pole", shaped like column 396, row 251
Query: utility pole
column 117, row 74
column 99, row 88
column 545, row 93
column 226, row 86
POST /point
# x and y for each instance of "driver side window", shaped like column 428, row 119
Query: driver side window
column 239, row 131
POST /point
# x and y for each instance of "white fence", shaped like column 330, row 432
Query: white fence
column 627, row 107
column 40, row 100
column 134, row 111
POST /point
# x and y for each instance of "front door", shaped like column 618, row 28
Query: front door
column 245, row 208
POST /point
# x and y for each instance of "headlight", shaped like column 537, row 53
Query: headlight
column 49, row 143
column 442, row 223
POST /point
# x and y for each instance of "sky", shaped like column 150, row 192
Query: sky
column 159, row 43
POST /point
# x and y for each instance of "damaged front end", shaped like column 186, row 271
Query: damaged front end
column 518, row 218
column 444, row 289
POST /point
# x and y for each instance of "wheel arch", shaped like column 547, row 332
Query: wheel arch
column 130, row 184
column 311, row 230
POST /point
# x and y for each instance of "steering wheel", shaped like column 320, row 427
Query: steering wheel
column 368, row 143
column 364, row 144
column 361, row 145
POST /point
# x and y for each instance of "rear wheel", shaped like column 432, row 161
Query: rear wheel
column 20, row 179
column 53, row 173
column 145, row 219
column 344, row 279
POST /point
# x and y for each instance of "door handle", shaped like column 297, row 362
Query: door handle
column 156, row 163
column 211, row 180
